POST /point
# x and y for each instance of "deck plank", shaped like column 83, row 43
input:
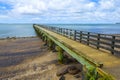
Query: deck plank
column 111, row 63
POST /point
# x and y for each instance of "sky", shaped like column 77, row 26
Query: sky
column 59, row 11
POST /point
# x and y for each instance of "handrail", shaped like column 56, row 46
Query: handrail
column 107, row 42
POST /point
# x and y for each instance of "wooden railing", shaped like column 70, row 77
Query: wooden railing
column 105, row 42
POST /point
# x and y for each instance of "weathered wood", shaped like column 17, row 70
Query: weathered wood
column 60, row 54
column 74, row 34
column 80, row 36
column 73, row 52
column 98, row 41
column 113, row 43
column 88, row 38
column 98, row 37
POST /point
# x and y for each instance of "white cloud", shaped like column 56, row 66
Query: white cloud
column 3, row 16
column 29, row 7
column 58, row 10
column 106, row 4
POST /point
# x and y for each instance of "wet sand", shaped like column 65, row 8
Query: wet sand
column 28, row 59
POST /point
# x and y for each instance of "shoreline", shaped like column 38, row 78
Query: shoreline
column 17, row 37
column 28, row 58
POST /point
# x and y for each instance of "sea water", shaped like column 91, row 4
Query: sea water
column 16, row 30
column 27, row 30
column 96, row 28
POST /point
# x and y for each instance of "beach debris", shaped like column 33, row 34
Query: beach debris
column 34, row 67
column 62, row 77
column 77, row 75
column 75, row 68
column 72, row 69
column 62, row 71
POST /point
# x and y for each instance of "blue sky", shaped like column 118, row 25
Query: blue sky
column 59, row 11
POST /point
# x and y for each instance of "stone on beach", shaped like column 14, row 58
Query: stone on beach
column 72, row 69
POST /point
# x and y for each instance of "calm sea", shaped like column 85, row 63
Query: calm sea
column 97, row 28
column 16, row 30
column 26, row 30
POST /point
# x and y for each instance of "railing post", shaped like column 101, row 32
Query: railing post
column 61, row 31
column 98, row 41
column 80, row 36
column 113, row 43
column 64, row 31
column 74, row 35
column 88, row 36
column 70, row 33
column 54, row 29
column 57, row 30
column 67, row 32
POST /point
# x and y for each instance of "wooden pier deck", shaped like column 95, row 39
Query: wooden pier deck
column 111, row 63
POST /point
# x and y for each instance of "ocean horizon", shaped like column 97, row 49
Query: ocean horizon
column 27, row 30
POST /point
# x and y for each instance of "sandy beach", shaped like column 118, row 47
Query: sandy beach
column 29, row 59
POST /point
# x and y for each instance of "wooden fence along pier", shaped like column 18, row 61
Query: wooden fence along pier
column 100, row 64
column 103, row 41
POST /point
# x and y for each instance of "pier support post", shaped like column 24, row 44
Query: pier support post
column 41, row 34
column 60, row 54
column 43, row 37
column 89, row 73
column 50, row 44
column 46, row 43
